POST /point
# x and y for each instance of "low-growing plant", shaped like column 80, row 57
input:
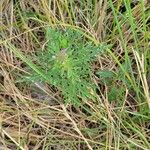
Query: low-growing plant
column 66, row 61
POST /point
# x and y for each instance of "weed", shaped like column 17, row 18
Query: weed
column 66, row 61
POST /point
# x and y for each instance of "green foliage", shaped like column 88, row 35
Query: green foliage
column 106, row 74
column 66, row 61
column 110, row 79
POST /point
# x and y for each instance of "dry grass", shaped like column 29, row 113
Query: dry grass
column 33, row 116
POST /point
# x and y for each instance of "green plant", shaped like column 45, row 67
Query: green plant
column 66, row 62
column 110, row 79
